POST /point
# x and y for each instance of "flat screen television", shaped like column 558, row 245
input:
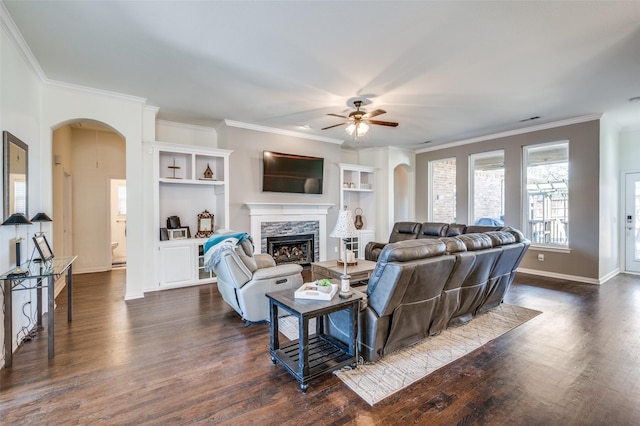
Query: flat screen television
column 292, row 173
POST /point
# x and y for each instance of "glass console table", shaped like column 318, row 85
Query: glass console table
column 40, row 275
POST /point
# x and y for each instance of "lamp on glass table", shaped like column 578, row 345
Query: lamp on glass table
column 41, row 217
column 17, row 219
column 345, row 229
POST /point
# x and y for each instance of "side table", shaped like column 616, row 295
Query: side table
column 310, row 356
column 45, row 276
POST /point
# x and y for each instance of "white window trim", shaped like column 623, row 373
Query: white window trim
column 524, row 198
column 471, row 176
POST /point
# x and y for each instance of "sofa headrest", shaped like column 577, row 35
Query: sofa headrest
column 407, row 227
column 245, row 253
column 434, row 229
column 473, row 229
column 501, row 238
column 455, row 229
column 453, row 245
column 404, row 251
column 475, row 241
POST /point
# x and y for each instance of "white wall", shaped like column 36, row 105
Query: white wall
column 609, row 217
column 385, row 160
column 20, row 105
column 628, row 155
column 127, row 116
column 186, row 134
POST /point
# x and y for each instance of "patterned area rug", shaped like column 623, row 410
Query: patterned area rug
column 375, row 381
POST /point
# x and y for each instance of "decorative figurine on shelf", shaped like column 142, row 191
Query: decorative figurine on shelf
column 208, row 173
column 205, row 225
column 173, row 168
column 358, row 222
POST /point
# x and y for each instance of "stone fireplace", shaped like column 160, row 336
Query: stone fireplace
column 298, row 249
column 294, row 221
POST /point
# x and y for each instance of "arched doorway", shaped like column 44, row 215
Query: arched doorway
column 88, row 155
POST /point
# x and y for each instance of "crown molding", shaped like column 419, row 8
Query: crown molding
column 552, row 125
column 94, row 91
column 258, row 128
column 187, row 126
column 14, row 34
column 154, row 109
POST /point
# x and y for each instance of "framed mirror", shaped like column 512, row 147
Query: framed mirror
column 16, row 178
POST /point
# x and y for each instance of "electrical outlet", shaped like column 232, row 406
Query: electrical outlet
column 541, row 257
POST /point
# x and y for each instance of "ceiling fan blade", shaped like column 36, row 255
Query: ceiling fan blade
column 375, row 113
column 383, row 123
column 335, row 125
column 338, row 115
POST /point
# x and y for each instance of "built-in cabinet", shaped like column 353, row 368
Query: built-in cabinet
column 188, row 181
column 357, row 193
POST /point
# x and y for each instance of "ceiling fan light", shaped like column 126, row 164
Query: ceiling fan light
column 362, row 129
column 350, row 129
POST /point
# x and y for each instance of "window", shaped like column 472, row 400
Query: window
column 547, row 188
column 442, row 190
column 486, row 188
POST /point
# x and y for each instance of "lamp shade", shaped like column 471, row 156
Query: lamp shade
column 344, row 227
column 41, row 217
column 17, row 219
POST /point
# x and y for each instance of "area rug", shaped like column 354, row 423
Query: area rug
column 375, row 381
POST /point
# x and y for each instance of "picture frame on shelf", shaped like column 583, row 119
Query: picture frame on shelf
column 178, row 233
column 205, row 224
column 44, row 249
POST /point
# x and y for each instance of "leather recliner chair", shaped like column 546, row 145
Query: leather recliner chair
column 244, row 278
column 401, row 231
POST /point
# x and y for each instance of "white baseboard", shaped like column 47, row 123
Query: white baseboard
column 570, row 277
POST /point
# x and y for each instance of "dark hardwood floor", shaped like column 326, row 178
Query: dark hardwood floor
column 184, row 357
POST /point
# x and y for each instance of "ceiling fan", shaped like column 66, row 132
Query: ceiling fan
column 358, row 120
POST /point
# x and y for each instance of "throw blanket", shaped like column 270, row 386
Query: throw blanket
column 218, row 244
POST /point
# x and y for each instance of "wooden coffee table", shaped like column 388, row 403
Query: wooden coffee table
column 330, row 269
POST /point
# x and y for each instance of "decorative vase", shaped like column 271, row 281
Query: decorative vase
column 358, row 223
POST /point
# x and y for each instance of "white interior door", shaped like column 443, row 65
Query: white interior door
column 632, row 222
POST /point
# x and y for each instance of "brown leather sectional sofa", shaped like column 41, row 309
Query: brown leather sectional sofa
column 420, row 286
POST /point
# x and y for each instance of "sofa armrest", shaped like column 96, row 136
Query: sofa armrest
column 275, row 272
column 264, row 260
column 372, row 250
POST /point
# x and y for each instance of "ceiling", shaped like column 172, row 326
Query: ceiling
column 445, row 70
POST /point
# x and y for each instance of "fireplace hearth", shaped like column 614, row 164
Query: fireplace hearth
column 292, row 249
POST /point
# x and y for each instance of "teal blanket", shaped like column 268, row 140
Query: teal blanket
column 218, row 238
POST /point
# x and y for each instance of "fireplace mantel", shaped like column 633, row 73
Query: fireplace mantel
column 290, row 212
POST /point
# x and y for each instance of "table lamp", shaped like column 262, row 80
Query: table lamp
column 345, row 229
column 17, row 219
column 41, row 217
